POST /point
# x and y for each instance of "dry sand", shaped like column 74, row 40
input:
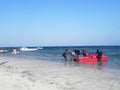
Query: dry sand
column 23, row 74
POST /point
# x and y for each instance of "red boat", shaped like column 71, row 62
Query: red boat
column 92, row 58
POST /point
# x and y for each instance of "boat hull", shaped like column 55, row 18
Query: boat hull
column 92, row 58
column 28, row 49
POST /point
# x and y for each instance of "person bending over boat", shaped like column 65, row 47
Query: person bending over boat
column 85, row 53
column 73, row 53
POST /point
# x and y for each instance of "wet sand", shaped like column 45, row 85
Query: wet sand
column 24, row 74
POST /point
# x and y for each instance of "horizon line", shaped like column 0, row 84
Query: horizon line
column 59, row 46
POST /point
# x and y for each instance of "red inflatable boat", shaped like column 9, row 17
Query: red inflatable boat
column 92, row 58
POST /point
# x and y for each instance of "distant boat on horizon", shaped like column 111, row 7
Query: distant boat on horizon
column 30, row 49
column 4, row 51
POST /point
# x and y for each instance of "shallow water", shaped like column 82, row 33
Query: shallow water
column 54, row 54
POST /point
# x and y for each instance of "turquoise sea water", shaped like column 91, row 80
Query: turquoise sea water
column 54, row 54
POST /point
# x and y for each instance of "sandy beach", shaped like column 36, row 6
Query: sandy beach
column 23, row 74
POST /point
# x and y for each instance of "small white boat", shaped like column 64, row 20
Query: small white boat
column 39, row 48
column 28, row 49
column 4, row 51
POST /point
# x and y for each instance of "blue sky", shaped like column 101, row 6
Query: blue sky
column 59, row 22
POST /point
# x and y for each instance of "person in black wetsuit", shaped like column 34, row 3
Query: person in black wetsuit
column 99, row 55
column 77, row 52
column 65, row 54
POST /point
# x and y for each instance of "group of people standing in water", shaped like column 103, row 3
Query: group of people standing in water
column 76, row 54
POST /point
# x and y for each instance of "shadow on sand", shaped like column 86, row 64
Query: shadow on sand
column 3, row 63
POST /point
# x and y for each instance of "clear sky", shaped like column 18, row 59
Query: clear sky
column 59, row 22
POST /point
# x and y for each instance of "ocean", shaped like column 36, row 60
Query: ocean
column 54, row 55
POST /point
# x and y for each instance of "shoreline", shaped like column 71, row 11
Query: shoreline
column 96, row 65
column 25, row 74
